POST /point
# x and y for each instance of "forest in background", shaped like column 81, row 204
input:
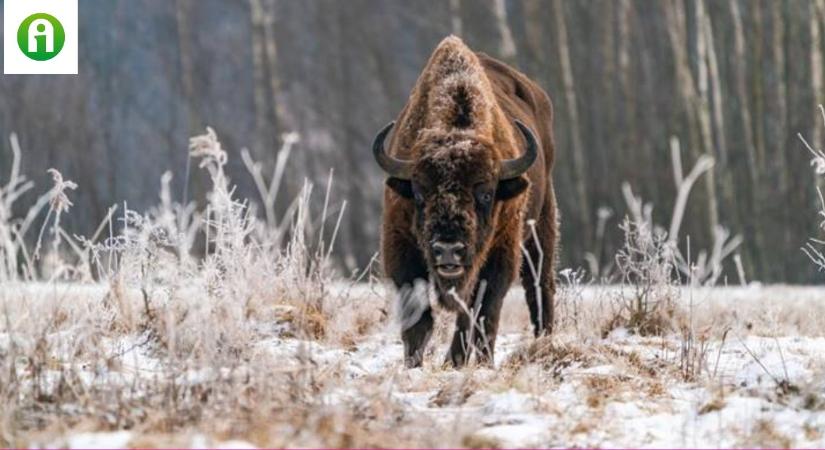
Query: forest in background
column 736, row 80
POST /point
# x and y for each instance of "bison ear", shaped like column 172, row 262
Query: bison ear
column 401, row 187
column 508, row 189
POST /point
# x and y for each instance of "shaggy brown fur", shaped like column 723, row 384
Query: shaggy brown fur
column 457, row 127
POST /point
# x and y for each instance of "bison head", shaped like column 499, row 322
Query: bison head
column 457, row 185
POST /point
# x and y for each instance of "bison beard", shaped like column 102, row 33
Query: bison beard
column 469, row 164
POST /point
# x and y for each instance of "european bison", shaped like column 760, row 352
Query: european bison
column 469, row 171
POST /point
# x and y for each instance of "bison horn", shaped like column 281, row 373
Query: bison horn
column 512, row 168
column 395, row 167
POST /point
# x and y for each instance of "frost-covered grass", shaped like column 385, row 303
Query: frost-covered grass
column 762, row 382
column 128, row 338
column 128, row 329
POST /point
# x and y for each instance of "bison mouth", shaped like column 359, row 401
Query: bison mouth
column 449, row 271
column 451, row 283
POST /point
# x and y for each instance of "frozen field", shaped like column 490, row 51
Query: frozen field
column 752, row 373
column 259, row 342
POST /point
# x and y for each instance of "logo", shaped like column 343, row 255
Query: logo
column 41, row 37
column 47, row 36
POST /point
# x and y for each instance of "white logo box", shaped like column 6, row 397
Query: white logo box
column 15, row 12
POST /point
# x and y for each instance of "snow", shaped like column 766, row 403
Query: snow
column 754, row 390
column 117, row 439
column 123, row 439
column 559, row 417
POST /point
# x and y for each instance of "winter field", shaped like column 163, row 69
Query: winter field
column 125, row 339
column 87, row 368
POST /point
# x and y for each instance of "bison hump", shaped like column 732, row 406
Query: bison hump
column 457, row 93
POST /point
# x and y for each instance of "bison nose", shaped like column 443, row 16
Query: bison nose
column 448, row 253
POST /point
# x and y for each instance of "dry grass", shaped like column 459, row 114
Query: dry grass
column 715, row 404
column 553, row 357
column 647, row 267
column 455, row 393
column 164, row 343
column 765, row 435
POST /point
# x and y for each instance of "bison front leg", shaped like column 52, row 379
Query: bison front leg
column 477, row 328
column 404, row 264
column 416, row 326
column 539, row 291
column 461, row 346
column 538, row 275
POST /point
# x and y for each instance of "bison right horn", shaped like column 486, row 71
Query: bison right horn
column 512, row 168
column 394, row 167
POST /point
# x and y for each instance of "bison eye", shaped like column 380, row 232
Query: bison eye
column 419, row 199
column 487, row 197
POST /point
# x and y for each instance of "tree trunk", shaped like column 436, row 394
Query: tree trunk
column 695, row 100
column 570, row 99
column 271, row 51
column 747, row 133
column 675, row 18
column 780, row 106
column 507, row 47
column 726, row 182
column 536, row 43
column 187, row 70
column 817, row 72
column 259, row 88
column 456, row 24
column 703, row 111
column 742, row 93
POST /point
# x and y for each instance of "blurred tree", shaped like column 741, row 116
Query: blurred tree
column 733, row 79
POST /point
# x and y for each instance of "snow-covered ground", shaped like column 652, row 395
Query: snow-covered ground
column 754, row 376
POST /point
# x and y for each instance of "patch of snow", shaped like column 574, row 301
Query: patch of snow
column 521, row 432
column 115, row 439
column 618, row 334
column 509, row 402
column 234, row 444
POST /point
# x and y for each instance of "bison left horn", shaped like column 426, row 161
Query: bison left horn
column 395, row 167
column 512, row 168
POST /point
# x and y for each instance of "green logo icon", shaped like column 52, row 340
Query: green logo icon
column 41, row 37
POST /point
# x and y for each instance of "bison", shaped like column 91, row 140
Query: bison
column 468, row 191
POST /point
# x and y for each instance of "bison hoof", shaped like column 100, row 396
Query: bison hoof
column 541, row 332
column 455, row 360
column 411, row 362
